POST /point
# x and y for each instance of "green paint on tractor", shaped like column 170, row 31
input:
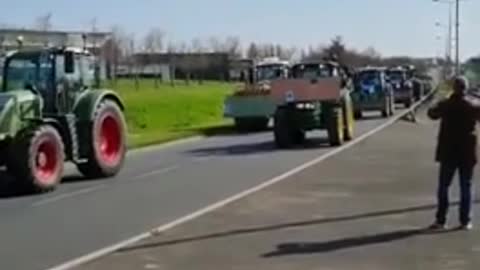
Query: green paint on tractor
column 51, row 111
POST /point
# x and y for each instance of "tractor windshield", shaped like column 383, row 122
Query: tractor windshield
column 311, row 71
column 269, row 72
column 395, row 75
column 23, row 71
column 370, row 77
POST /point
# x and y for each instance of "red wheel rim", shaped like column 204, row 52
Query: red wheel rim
column 46, row 162
column 110, row 140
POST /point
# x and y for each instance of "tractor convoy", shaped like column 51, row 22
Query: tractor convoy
column 321, row 95
column 52, row 112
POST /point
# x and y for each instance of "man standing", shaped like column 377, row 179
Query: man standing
column 456, row 150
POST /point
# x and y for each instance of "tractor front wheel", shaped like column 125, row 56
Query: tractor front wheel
column 37, row 159
column 335, row 126
column 105, row 142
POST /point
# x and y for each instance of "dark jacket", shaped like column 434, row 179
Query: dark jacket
column 457, row 138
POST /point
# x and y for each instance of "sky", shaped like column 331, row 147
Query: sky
column 393, row 27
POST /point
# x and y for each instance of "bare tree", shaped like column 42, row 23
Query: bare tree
column 252, row 51
column 154, row 43
column 43, row 23
column 202, row 61
column 172, row 50
column 133, row 66
column 215, row 44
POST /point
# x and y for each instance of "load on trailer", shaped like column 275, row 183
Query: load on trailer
column 372, row 92
column 50, row 112
column 316, row 97
column 250, row 106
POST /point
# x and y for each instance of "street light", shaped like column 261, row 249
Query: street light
column 449, row 40
column 457, row 27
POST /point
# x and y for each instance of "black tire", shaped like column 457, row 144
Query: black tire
column 335, row 126
column 97, row 164
column 260, row 124
column 408, row 103
column 299, row 136
column 42, row 144
column 251, row 124
column 282, row 130
column 358, row 114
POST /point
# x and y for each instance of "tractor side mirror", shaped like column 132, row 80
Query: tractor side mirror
column 69, row 63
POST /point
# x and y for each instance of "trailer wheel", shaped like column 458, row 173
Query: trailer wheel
column 335, row 127
column 251, row 124
column 105, row 142
column 282, row 130
column 37, row 159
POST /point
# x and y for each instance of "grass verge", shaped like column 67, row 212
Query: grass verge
column 158, row 114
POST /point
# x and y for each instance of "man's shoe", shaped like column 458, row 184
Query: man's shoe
column 437, row 226
column 466, row 227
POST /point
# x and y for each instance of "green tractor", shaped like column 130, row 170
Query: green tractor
column 316, row 97
column 50, row 112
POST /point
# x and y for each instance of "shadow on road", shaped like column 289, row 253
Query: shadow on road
column 9, row 187
column 257, row 148
column 225, row 130
column 304, row 223
column 352, row 242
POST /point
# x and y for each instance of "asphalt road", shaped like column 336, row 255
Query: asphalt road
column 367, row 207
column 156, row 187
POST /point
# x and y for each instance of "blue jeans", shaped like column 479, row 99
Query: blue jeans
column 447, row 171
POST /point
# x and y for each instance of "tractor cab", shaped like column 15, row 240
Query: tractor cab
column 56, row 75
column 51, row 112
column 317, row 70
column 314, row 70
column 271, row 69
column 370, row 79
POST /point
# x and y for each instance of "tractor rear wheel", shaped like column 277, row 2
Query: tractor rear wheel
column 282, row 129
column 105, row 142
column 37, row 159
column 349, row 120
column 335, row 126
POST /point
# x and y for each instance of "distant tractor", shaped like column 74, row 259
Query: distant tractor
column 402, row 86
column 316, row 97
column 51, row 113
column 250, row 106
column 372, row 92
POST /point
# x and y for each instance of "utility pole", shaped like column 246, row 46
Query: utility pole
column 457, row 38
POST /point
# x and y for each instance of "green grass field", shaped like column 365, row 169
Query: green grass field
column 156, row 115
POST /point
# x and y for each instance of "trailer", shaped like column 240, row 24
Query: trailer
column 250, row 106
column 316, row 97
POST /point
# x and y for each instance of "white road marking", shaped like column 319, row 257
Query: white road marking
column 66, row 195
column 155, row 172
column 153, row 148
column 107, row 250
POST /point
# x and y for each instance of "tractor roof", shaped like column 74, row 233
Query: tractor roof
column 311, row 63
column 54, row 50
column 371, row 68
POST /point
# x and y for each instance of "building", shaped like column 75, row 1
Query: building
column 95, row 42
column 206, row 66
